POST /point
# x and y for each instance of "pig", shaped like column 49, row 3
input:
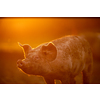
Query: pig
column 61, row 59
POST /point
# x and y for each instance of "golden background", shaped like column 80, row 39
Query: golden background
column 35, row 31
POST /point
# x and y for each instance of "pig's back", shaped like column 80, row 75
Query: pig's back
column 75, row 47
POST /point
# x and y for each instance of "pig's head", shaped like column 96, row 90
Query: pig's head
column 36, row 59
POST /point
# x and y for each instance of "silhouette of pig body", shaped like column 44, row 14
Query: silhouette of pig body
column 60, row 59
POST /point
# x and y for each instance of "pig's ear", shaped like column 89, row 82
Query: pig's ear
column 49, row 51
column 26, row 48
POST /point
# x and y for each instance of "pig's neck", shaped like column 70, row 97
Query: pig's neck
column 44, row 70
column 47, row 69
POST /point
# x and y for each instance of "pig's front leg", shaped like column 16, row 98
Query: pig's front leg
column 49, row 80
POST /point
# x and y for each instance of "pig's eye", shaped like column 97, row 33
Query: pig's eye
column 36, row 58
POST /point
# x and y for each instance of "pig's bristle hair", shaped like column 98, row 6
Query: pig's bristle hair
column 19, row 44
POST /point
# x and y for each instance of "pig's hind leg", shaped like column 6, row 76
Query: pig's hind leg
column 87, row 74
column 68, row 80
column 49, row 80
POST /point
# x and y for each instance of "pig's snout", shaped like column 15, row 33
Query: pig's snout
column 20, row 63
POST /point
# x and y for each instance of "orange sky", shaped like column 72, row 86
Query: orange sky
column 38, row 30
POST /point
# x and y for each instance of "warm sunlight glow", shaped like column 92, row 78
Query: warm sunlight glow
column 29, row 30
column 35, row 31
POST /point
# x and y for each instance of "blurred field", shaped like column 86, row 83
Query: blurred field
column 9, row 73
column 44, row 30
